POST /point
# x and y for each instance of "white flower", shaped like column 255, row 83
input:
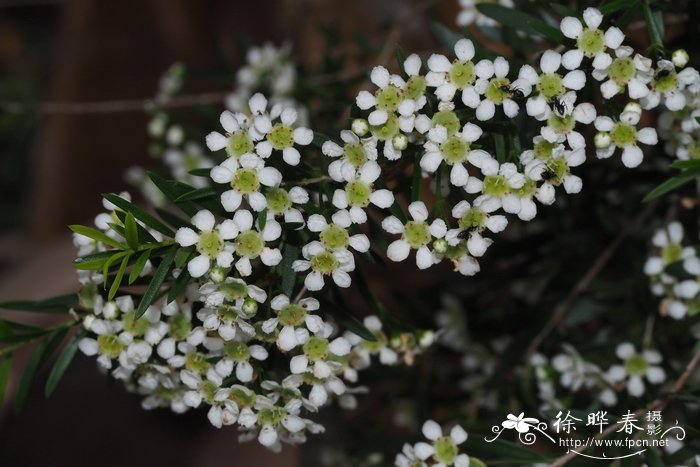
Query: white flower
column 498, row 184
column 238, row 139
column 473, row 220
column 210, row 242
column 625, row 70
column 296, row 319
column 416, row 234
column 324, row 262
column 349, row 157
column 335, row 235
column 591, row 41
column 469, row 13
column 360, row 193
column 453, row 149
column 625, row 135
column 636, row 367
column 246, row 175
column 551, row 85
column 497, row 89
column 182, row 161
column 449, row 77
column 278, row 135
column 251, row 242
column 442, row 449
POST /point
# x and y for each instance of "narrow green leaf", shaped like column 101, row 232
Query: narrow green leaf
column 614, row 6
column 108, row 264
column 173, row 190
column 139, row 214
column 289, row 254
column 138, row 266
column 689, row 164
column 96, row 235
column 92, row 261
column 400, row 58
column 178, row 286
column 417, row 178
column 562, row 10
column 173, row 219
column 62, row 363
column 319, row 139
column 397, row 211
column 202, row 172
column 28, row 374
column 262, row 219
column 446, row 36
column 58, row 304
column 672, row 184
column 183, row 256
column 655, row 25
column 117, row 282
column 131, row 231
column 199, row 193
column 5, row 367
column 158, row 279
column 521, row 21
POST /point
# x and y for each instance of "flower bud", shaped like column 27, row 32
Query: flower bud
column 250, row 307
column 360, row 126
column 633, row 107
column 680, row 58
column 440, row 246
column 400, row 142
column 602, row 140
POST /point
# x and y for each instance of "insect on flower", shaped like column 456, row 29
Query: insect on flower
column 558, row 105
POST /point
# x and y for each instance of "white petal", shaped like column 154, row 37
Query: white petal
column 418, row 211
column 550, row 61
column 216, row 141
column 571, row 27
column 632, row 156
column 186, row 236
column 204, row 220
column 198, row 266
column 431, row 430
column 464, row 49
column 398, row 250
column 647, row 136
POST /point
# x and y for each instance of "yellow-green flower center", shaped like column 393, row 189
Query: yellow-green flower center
column 448, row 119
column 591, row 42
column 210, row 243
column 561, row 125
column 388, row 98
column 462, row 74
column 623, row 135
column 455, row 150
column 415, row 87
column 110, row 345
column 238, row 351
column 550, row 85
column 324, row 263
column 417, row 234
column 278, row 200
column 358, row 193
column 473, row 220
column 335, row 237
column 245, row 181
column 292, row 315
column 179, row 326
column 249, row 244
column 446, row 450
column 135, row 327
column 498, row 90
column 387, row 130
column 239, row 143
column 636, row 365
column 543, row 149
column 671, row 253
column 281, row 136
column 355, row 154
column 316, row 348
column 197, row 362
column 495, row 185
column 622, row 70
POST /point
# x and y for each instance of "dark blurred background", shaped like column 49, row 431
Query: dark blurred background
column 54, row 163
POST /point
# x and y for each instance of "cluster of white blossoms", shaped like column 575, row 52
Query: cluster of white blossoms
column 267, row 215
column 673, row 271
column 570, row 371
column 439, row 449
column 469, row 14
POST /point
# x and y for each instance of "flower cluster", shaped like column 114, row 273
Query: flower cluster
column 440, row 449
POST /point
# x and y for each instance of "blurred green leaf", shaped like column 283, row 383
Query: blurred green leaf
column 29, row 373
column 5, row 367
column 62, row 363
column 117, row 282
column 289, row 254
column 672, row 184
column 131, row 231
column 96, row 235
column 158, row 278
column 521, row 21
column 138, row 266
column 139, row 214
column 58, row 304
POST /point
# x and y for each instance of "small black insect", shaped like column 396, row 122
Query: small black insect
column 464, row 234
column 513, row 91
column 661, row 74
column 558, row 105
column 548, row 175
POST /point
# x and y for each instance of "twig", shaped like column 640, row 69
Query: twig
column 563, row 307
column 126, row 105
column 658, row 404
column 300, row 295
